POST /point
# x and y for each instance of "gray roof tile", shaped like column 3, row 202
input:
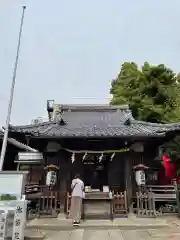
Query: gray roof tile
column 16, row 143
column 97, row 122
column 53, row 129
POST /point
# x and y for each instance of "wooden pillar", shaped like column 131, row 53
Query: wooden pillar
column 64, row 178
column 128, row 179
column 63, row 191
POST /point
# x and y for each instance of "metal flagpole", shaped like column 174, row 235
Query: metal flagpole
column 4, row 144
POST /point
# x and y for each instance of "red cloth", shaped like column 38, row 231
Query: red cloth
column 170, row 171
column 162, row 179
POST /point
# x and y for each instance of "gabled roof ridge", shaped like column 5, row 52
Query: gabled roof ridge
column 33, row 125
column 92, row 106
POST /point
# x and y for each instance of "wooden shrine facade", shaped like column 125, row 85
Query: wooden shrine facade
column 101, row 143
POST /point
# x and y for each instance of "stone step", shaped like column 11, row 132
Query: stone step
column 123, row 224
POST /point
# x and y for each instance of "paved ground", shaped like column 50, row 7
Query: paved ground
column 114, row 234
column 121, row 223
column 121, row 229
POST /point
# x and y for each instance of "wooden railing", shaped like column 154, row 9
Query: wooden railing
column 155, row 200
column 120, row 203
column 145, row 205
column 47, row 201
column 166, row 195
column 163, row 193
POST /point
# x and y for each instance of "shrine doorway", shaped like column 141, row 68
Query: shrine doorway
column 95, row 173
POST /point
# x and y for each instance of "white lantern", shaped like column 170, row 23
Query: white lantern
column 51, row 178
column 140, row 177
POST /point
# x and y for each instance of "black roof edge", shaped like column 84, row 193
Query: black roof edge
column 99, row 137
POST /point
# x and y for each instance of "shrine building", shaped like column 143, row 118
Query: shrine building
column 102, row 143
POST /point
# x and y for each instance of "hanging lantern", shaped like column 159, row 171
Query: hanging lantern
column 140, row 177
column 51, row 176
column 140, row 174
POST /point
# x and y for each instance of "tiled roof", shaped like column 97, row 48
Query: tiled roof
column 55, row 130
column 17, row 143
column 97, row 122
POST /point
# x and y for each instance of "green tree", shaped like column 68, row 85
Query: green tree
column 152, row 92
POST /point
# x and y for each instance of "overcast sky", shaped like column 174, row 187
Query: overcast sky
column 72, row 49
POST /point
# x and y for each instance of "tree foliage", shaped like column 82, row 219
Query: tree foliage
column 152, row 92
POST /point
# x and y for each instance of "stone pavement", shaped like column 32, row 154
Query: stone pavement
column 120, row 229
column 113, row 234
column 119, row 223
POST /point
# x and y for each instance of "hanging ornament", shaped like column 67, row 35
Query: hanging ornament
column 73, row 157
column 84, row 156
column 101, row 157
column 140, row 177
column 51, row 178
column 112, row 156
column 140, row 174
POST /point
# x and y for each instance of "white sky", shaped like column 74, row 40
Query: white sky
column 72, row 49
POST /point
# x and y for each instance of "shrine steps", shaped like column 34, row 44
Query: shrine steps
column 119, row 223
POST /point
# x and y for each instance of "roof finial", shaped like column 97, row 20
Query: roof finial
column 61, row 116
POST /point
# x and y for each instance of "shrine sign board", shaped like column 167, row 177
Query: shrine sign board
column 12, row 184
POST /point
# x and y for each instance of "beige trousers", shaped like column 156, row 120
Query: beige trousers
column 75, row 209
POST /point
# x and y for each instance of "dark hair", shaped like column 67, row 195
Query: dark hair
column 77, row 176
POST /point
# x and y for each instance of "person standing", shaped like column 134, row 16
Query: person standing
column 77, row 195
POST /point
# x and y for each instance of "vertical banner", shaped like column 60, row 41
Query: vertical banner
column 3, row 219
column 19, row 220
